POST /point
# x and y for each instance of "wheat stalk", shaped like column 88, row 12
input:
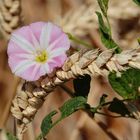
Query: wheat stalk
column 92, row 62
column 9, row 16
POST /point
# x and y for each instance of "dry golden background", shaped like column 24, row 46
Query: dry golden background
column 125, row 21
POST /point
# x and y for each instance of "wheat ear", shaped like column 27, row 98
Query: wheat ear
column 92, row 62
column 79, row 22
column 9, row 16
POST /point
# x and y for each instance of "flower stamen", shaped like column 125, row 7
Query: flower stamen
column 41, row 56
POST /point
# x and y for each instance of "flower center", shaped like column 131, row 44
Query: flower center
column 41, row 56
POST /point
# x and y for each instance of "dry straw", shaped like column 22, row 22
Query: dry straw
column 92, row 62
column 79, row 22
column 9, row 16
column 31, row 95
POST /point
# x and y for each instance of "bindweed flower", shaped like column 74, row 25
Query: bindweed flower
column 37, row 49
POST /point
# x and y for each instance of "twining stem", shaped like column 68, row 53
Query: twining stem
column 94, row 110
column 19, row 128
column 79, row 41
column 30, row 132
column 108, row 115
column 15, row 128
column 67, row 90
column 109, row 26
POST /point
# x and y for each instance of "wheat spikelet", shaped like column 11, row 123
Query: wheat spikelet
column 79, row 22
column 117, row 11
column 92, row 62
column 83, row 19
column 9, row 16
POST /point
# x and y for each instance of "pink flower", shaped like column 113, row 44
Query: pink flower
column 36, row 50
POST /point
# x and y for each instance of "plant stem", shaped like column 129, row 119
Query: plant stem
column 109, row 26
column 108, row 115
column 95, row 109
column 79, row 41
column 109, row 102
column 15, row 128
column 67, row 90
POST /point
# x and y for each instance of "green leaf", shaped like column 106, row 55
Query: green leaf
column 117, row 106
column 109, row 42
column 103, row 99
column 102, row 25
column 72, row 105
column 66, row 110
column 137, row 2
column 127, row 85
column 47, row 123
column 138, row 41
column 82, row 85
column 106, row 35
column 10, row 136
column 103, row 6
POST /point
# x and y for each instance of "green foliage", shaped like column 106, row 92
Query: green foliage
column 117, row 106
column 127, row 85
column 105, row 33
column 102, row 25
column 82, row 85
column 67, row 109
column 138, row 41
column 72, row 105
column 47, row 123
column 137, row 2
column 10, row 136
column 103, row 6
column 79, row 41
column 103, row 99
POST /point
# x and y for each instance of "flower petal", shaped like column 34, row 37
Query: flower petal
column 56, row 33
column 22, row 66
column 45, row 69
column 32, row 73
column 36, row 28
column 57, row 61
column 21, row 42
column 34, row 40
column 56, row 52
column 61, row 42
column 13, row 48
column 29, row 42
column 24, row 32
column 45, row 35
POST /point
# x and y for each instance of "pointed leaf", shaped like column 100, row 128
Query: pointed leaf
column 105, row 35
column 137, row 2
column 66, row 110
column 47, row 123
column 117, row 106
column 127, row 85
column 103, row 6
column 102, row 25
